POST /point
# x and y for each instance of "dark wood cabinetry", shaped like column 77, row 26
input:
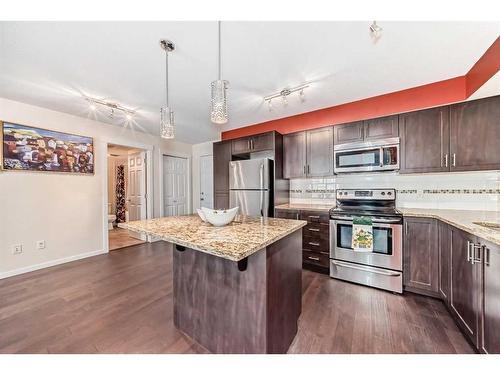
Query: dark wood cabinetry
column 380, row 128
column 309, row 153
column 294, row 155
column 490, row 303
column 475, row 135
column 424, row 141
column 444, row 261
column 464, row 284
column 260, row 142
column 222, row 157
column 315, row 237
column 421, row 255
column 347, row 133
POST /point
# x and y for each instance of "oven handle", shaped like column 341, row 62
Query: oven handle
column 350, row 218
column 366, row 269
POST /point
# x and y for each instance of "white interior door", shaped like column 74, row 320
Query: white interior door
column 136, row 188
column 206, row 181
column 175, row 189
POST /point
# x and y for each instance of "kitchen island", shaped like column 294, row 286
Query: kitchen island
column 238, row 288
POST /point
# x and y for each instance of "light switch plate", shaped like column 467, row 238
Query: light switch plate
column 17, row 249
column 40, row 245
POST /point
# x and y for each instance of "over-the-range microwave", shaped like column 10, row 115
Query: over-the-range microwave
column 379, row 155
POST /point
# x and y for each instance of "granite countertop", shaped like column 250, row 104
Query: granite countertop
column 305, row 206
column 462, row 219
column 240, row 239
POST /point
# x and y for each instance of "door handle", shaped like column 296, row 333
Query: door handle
column 366, row 269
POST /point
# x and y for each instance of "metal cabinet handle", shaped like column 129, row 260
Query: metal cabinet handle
column 313, row 243
column 313, row 258
column 313, row 229
column 454, row 162
column 486, row 252
column 469, row 253
column 366, row 269
column 446, row 160
column 308, row 169
column 305, row 170
column 406, row 228
column 251, row 144
column 479, row 249
column 313, row 216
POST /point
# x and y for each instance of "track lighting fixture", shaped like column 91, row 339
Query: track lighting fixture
column 283, row 94
column 112, row 106
column 375, row 32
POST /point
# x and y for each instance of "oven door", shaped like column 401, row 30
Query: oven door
column 387, row 245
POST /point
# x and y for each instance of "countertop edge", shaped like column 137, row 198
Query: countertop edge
column 211, row 251
column 479, row 232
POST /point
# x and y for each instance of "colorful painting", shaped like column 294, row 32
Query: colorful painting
column 26, row 148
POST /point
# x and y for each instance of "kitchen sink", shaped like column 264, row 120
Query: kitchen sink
column 489, row 225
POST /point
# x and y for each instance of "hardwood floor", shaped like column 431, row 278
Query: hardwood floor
column 119, row 238
column 122, row 303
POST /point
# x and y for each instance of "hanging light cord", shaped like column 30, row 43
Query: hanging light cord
column 220, row 54
column 166, row 77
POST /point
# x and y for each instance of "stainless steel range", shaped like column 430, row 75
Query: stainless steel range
column 381, row 268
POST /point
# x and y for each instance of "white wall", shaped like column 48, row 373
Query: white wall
column 200, row 149
column 65, row 210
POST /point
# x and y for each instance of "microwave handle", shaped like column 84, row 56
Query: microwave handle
column 381, row 156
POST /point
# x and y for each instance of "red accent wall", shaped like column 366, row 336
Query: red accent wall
column 431, row 95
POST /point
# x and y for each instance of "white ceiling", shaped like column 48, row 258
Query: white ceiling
column 51, row 64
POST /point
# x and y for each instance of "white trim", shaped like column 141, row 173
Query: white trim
column 188, row 157
column 50, row 263
column 105, row 142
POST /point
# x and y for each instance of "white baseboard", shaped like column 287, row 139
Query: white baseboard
column 50, row 263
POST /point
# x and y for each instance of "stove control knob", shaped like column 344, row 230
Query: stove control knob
column 383, row 193
column 389, row 193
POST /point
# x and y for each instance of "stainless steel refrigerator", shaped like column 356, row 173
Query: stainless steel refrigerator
column 250, row 186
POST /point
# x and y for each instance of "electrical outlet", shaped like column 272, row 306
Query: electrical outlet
column 40, row 245
column 17, row 249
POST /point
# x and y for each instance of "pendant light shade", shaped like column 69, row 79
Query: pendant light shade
column 167, row 127
column 218, row 111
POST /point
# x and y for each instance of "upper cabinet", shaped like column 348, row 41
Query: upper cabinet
column 222, row 157
column 475, row 135
column 368, row 130
column 424, row 141
column 309, row 153
column 380, row 128
column 260, row 142
column 348, row 133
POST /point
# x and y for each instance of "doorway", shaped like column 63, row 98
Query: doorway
column 126, row 194
column 206, row 181
column 175, row 185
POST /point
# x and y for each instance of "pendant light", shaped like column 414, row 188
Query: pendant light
column 218, row 112
column 167, row 128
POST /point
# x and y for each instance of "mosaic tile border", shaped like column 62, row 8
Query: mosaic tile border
column 410, row 191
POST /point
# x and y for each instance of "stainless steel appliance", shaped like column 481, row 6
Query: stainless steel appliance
column 381, row 268
column 382, row 155
column 250, row 186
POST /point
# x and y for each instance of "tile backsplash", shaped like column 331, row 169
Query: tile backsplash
column 459, row 190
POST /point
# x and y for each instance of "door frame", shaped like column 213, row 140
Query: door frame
column 148, row 149
column 188, row 157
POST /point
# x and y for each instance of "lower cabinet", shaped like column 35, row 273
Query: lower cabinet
column 468, row 277
column 420, row 264
column 315, row 237
column 221, row 201
column 490, row 302
column 464, row 284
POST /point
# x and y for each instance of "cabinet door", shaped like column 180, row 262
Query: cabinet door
column 380, row 128
column 286, row 214
column 294, row 154
column 490, row 341
column 241, row 146
column 420, row 269
column 222, row 157
column 444, row 261
column 319, row 152
column 475, row 135
column 464, row 285
column 424, row 141
column 346, row 133
column 262, row 142
column 221, row 201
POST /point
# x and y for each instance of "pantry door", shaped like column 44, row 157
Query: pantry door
column 136, row 188
column 175, row 186
column 206, row 181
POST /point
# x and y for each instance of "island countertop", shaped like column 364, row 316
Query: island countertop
column 236, row 241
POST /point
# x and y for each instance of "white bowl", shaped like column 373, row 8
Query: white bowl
column 201, row 214
column 219, row 218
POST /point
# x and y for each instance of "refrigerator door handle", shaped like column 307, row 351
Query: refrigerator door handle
column 262, row 187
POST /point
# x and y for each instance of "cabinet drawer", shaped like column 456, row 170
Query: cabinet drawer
column 322, row 260
column 315, row 244
column 315, row 216
column 286, row 214
column 317, row 231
